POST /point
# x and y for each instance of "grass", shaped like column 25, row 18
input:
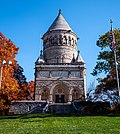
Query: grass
column 58, row 124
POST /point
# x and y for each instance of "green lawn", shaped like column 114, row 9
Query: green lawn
column 53, row 124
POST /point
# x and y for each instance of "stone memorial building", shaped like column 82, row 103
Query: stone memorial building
column 60, row 73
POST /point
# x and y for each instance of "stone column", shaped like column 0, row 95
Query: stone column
column 70, row 98
column 39, row 96
column 50, row 98
column 70, row 95
column 58, row 40
column 36, row 97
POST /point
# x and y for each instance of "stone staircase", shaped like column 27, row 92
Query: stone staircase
column 34, row 107
column 39, row 109
column 60, row 108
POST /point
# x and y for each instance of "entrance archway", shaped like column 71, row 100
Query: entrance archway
column 60, row 94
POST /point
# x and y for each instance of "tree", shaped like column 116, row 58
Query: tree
column 21, row 79
column 26, row 89
column 105, row 64
column 9, row 87
column 30, row 89
column 91, row 91
column 18, row 74
column 14, row 85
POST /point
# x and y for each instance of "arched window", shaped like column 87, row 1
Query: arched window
column 60, row 40
column 69, row 41
column 75, row 42
column 75, row 95
column 55, row 40
column 72, row 42
column 45, row 94
column 65, row 40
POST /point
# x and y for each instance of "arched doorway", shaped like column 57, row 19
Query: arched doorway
column 60, row 94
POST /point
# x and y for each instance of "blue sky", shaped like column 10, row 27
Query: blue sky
column 25, row 21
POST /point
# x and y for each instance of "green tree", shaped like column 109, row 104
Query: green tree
column 26, row 89
column 21, row 79
column 18, row 74
column 105, row 64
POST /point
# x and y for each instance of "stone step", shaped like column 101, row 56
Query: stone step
column 60, row 108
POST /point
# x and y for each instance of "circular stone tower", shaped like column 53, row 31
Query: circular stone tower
column 59, row 42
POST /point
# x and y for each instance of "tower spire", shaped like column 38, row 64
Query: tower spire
column 79, row 58
column 40, row 58
column 59, row 23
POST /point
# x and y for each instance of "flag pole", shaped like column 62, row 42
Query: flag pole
column 116, row 64
column 117, row 75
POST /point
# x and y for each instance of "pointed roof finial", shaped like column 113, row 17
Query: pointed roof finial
column 40, row 58
column 79, row 58
column 60, row 11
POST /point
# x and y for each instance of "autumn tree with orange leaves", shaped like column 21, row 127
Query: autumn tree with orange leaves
column 9, row 85
column 11, row 89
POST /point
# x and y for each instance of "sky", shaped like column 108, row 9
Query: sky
column 25, row 21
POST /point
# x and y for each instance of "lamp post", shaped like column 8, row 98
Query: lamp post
column 1, row 70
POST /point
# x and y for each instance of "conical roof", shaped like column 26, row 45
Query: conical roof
column 40, row 58
column 59, row 23
column 79, row 58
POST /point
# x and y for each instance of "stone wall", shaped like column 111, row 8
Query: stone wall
column 59, row 46
column 52, row 78
column 22, row 107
